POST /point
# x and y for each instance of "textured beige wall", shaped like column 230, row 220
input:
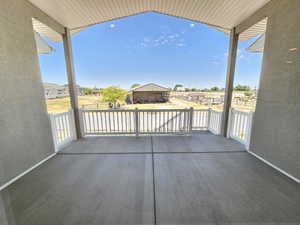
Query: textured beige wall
column 276, row 127
column 25, row 134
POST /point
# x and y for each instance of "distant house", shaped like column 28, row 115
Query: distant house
column 58, row 91
column 149, row 93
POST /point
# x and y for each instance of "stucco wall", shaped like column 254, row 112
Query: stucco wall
column 25, row 134
column 276, row 127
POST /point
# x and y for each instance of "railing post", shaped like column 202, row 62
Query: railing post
column 72, row 124
column 54, row 132
column 208, row 118
column 136, row 116
column 249, row 128
column 229, row 127
column 81, row 115
column 191, row 119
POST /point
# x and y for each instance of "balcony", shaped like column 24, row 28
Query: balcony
column 197, row 179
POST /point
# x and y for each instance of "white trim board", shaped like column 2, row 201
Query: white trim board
column 275, row 167
column 25, row 172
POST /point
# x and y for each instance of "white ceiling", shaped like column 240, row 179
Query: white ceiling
column 221, row 14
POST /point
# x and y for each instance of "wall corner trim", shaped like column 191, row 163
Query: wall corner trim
column 26, row 172
column 275, row 167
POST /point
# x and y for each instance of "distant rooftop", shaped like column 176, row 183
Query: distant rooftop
column 151, row 87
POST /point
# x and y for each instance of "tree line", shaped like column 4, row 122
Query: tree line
column 239, row 87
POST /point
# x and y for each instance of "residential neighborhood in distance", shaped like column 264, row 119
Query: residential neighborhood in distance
column 53, row 90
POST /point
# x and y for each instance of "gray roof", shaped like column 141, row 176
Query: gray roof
column 257, row 45
column 42, row 46
column 51, row 85
column 151, row 87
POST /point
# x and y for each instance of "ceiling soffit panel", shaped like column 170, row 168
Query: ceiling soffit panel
column 220, row 14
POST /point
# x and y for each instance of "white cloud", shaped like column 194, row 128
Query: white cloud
column 164, row 39
column 242, row 56
column 216, row 62
column 112, row 25
column 146, row 39
column 180, row 45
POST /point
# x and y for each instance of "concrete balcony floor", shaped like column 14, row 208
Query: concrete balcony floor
column 203, row 179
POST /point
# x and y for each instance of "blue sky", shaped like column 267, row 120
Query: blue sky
column 151, row 48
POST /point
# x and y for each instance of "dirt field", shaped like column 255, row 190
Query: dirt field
column 63, row 104
column 59, row 105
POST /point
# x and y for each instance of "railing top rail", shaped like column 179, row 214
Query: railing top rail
column 215, row 111
column 107, row 110
column 134, row 110
column 60, row 114
column 164, row 110
column 201, row 110
column 241, row 112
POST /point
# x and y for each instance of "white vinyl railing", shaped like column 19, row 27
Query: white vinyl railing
column 239, row 127
column 215, row 119
column 63, row 128
column 152, row 121
column 201, row 119
column 142, row 122
column 136, row 122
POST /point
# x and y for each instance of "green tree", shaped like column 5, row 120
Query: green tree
column 177, row 86
column 215, row 88
column 113, row 95
column 88, row 91
column 205, row 90
column 194, row 89
column 135, row 85
column 248, row 94
column 242, row 88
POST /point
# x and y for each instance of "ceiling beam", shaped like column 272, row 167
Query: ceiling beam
column 44, row 18
column 266, row 11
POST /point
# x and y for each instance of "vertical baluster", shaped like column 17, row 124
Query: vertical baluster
column 110, row 118
column 97, row 114
column 68, row 124
column 234, row 122
column 84, row 122
column 61, row 129
column 65, row 125
column 243, row 127
column 58, row 128
column 122, row 121
column 239, row 125
column 101, row 121
column 94, row 121
column 118, row 125
column 165, row 121
column 176, row 120
column 147, row 121
column 159, row 122
column 129, row 121
column 105, row 122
